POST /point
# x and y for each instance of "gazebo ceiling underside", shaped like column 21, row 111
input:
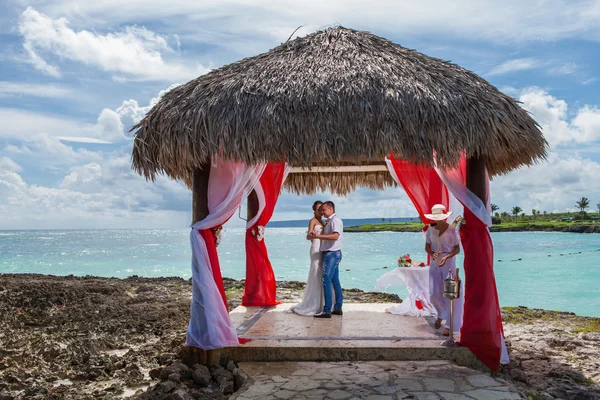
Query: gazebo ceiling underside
column 336, row 97
column 339, row 183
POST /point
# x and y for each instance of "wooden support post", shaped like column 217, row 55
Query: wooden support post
column 252, row 205
column 476, row 177
column 200, row 193
column 200, row 176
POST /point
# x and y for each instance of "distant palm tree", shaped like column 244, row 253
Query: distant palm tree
column 516, row 210
column 598, row 207
column 582, row 204
column 494, row 207
column 382, row 219
column 504, row 215
column 534, row 213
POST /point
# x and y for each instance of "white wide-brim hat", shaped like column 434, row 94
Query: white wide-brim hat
column 438, row 213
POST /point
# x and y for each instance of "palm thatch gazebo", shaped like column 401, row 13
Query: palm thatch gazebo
column 333, row 105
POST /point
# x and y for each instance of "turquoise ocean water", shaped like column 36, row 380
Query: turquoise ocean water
column 570, row 282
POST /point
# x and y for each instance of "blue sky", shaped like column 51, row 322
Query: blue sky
column 75, row 76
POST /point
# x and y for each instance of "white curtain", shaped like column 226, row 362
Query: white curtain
column 453, row 180
column 210, row 325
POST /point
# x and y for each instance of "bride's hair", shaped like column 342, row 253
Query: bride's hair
column 314, row 207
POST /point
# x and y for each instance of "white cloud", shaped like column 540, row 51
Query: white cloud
column 6, row 164
column 552, row 114
column 516, row 65
column 32, row 89
column 565, row 69
column 588, row 81
column 587, row 122
column 130, row 111
column 557, row 184
column 136, row 51
column 218, row 22
column 553, row 185
column 50, row 153
column 39, row 63
column 80, row 139
column 25, row 125
column 104, row 193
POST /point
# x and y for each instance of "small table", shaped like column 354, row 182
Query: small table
column 416, row 280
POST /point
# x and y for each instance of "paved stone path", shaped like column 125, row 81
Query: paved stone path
column 378, row 380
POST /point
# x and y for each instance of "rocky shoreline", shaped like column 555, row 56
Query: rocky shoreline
column 108, row 338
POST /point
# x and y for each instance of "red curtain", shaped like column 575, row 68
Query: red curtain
column 211, row 246
column 482, row 321
column 422, row 184
column 482, row 329
column 260, row 287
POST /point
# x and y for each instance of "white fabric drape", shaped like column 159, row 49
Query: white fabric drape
column 454, row 182
column 261, row 198
column 416, row 280
column 210, row 326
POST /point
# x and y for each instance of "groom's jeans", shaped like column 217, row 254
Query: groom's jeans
column 331, row 274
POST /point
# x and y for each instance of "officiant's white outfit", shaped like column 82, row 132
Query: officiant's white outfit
column 444, row 245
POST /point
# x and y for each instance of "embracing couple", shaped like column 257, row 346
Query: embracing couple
column 325, row 255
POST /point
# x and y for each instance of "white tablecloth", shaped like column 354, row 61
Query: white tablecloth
column 416, row 279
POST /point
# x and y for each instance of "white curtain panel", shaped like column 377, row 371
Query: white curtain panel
column 210, row 325
column 454, row 182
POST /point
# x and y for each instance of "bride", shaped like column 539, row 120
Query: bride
column 312, row 299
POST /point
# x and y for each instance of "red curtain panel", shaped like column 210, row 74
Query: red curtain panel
column 260, row 287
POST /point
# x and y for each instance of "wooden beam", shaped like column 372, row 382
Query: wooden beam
column 476, row 177
column 348, row 168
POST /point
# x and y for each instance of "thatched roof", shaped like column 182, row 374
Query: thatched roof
column 335, row 95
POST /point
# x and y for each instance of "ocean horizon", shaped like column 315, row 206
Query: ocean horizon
column 550, row 270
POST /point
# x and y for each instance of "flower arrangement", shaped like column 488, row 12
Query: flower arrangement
column 405, row 261
column 217, row 232
column 259, row 233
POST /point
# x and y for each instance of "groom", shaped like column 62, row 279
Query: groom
column 331, row 247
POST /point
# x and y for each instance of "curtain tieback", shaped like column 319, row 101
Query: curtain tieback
column 258, row 232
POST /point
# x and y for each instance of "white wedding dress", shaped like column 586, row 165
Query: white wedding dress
column 312, row 299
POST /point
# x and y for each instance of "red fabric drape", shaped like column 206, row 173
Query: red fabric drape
column 482, row 321
column 422, row 184
column 260, row 287
column 211, row 245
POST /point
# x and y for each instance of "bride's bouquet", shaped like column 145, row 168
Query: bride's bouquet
column 405, row 261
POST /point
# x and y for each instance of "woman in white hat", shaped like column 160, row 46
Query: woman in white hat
column 442, row 244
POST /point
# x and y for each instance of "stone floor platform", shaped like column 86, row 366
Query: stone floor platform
column 364, row 333
column 375, row 380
